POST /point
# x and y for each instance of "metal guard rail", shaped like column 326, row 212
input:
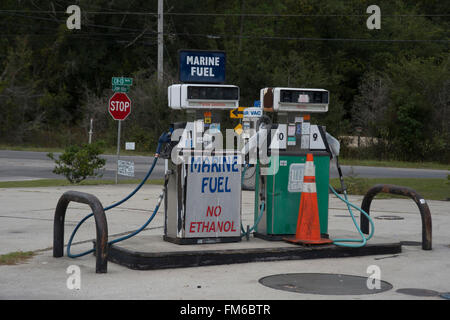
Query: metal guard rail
column 101, row 226
column 402, row 191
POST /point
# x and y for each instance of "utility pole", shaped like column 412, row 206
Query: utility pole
column 160, row 41
column 90, row 131
column 242, row 25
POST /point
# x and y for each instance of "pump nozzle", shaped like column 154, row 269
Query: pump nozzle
column 334, row 144
column 335, row 147
column 257, row 137
column 163, row 139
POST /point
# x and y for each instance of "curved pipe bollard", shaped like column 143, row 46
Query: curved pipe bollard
column 402, row 191
column 101, row 226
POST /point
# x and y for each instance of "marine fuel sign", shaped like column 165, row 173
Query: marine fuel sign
column 202, row 66
column 214, row 196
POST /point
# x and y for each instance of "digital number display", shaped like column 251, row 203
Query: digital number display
column 299, row 96
column 212, row 93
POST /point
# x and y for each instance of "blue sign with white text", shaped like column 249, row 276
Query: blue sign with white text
column 202, row 66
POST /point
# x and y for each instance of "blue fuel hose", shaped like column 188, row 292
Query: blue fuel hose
column 69, row 244
column 165, row 137
column 360, row 242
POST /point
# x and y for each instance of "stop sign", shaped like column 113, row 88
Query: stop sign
column 119, row 106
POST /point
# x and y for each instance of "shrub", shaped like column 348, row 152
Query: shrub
column 77, row 163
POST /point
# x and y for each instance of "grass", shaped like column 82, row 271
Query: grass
column 30, row 148
column 395, row 164
column 430, row 189
column 17, row 257
column 62, row 182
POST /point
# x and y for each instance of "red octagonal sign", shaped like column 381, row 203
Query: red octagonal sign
column 119, row 106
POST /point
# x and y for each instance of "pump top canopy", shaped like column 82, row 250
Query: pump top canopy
column 294, row 100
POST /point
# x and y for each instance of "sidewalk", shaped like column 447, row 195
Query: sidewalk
column 26, row 224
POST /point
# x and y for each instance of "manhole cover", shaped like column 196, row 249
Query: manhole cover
column 389, row 218
column 418, row 292
column 322, row 283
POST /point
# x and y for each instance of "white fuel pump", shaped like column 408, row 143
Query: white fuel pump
column 203, row 193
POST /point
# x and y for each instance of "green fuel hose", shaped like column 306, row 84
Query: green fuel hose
column 358, row 242
column 245, row 233
column 363, row 240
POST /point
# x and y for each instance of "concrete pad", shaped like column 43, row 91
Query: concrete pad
column 26, row 223
column 151, row 252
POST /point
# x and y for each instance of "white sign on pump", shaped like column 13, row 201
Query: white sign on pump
column 252, row 112
column 315, row 139
column 279, row 138
column 213, row 199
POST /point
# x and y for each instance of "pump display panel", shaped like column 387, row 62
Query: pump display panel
column 196, row 96
column 303, row 96
column 212, row 93
column 295, row 100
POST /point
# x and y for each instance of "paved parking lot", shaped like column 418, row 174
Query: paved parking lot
column 26, row 224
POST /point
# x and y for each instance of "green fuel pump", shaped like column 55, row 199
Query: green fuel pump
column 279, row 175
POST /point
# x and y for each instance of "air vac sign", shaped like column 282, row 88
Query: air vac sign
column 202, row 66
column 213, row 197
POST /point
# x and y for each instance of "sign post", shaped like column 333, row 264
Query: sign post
column 119, row 108
column 118, row 148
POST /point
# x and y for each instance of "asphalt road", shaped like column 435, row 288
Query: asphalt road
column 29, row 165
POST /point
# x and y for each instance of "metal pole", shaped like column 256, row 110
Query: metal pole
column 118, row 148
column 160, row 41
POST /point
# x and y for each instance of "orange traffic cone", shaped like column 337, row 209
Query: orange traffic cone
column 308, row 224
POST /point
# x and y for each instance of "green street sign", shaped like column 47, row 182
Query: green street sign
column 120, row 88
column 121, row 81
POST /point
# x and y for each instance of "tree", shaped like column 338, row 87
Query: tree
column 370, row 105
column 20, row 113
column 320, row 43
column 418, row 117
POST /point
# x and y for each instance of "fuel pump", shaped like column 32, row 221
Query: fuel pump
column 203, row 192
column 289, row 139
